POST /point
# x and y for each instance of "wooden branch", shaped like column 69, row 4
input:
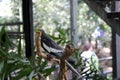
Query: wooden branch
column 39, row 50
column 68, row 52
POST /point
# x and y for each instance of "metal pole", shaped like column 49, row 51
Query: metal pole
column 73, row 20
column 28, row 26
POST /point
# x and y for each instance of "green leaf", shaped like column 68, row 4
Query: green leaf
column 31, row 75
column 19, row 46
column 48, row 71
column 43, row 65
column 12, row 67
column 58, row 42
column 3, row 54
column 1, row 69
column 79, row 62
column 1, row 65
column 24, row 72
column 4, row 69
column 39, row 59
column 61, row 31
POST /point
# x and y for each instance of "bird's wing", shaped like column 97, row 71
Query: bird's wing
column 51, row 46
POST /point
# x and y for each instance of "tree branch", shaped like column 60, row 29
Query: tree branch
column 68, row 52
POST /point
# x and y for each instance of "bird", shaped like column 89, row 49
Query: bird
column 51, row 47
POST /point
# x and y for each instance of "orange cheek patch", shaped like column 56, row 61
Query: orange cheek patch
column 38, row 33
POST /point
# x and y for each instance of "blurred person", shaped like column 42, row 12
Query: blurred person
column 90, row 60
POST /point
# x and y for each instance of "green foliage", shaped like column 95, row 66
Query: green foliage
column 15, row 66
column 51, row 16
column 88, row 72
column 13, row 8
column 109, row 77
column 62, row 37
column 88, row 21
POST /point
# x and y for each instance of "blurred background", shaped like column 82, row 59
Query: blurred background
column 55, row 18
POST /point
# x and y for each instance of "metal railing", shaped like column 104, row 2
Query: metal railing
column 103, row 59
column 106, row 58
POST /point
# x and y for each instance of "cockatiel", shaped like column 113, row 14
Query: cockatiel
column 51, row 47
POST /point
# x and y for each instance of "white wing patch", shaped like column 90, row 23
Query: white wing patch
column 46, row 47
column 50, row 49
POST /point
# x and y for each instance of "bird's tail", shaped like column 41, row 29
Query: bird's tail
column 58, row 55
